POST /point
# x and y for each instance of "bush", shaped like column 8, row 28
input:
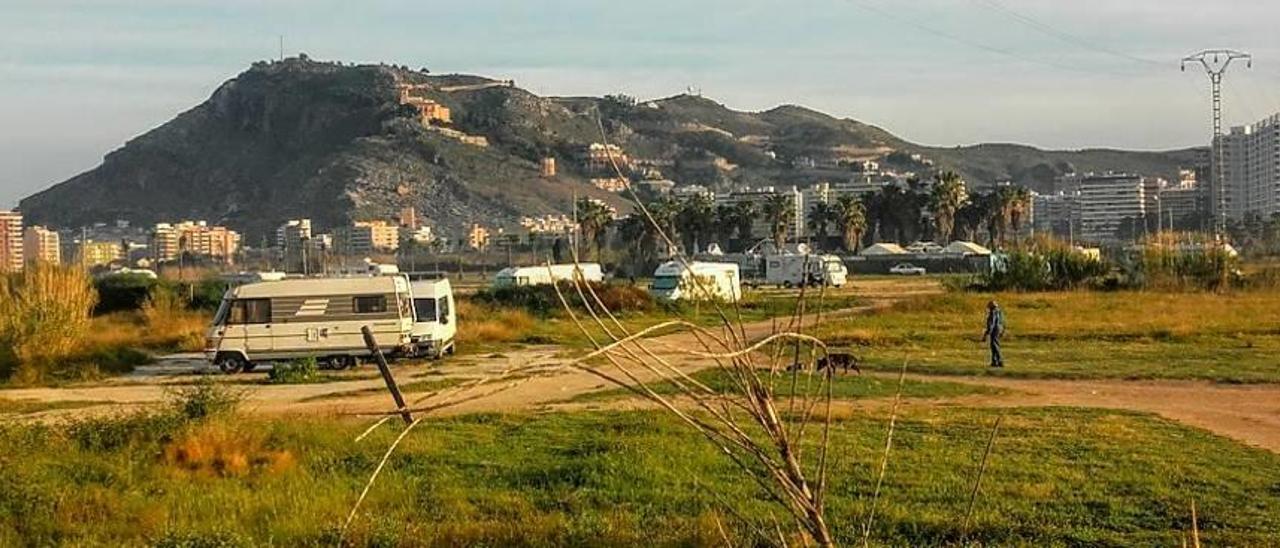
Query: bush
column 299, row 371
column 206, row 398
column 1046, row 265
column 542, row 301
column 1159, row 267
column 44, row 314
column 122, row 292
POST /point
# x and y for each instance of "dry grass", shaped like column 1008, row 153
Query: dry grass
column 216, row 449
column 44, row 314
column 489, row 324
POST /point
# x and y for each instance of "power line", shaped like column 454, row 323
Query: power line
column 1065, row 36
column 974, row 44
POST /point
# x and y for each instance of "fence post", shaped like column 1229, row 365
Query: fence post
column 386, row 373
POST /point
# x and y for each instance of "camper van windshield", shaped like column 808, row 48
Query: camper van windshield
column 221, row 316
column 666, row 282
column 424, row 310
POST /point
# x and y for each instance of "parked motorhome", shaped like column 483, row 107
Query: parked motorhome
column 544, row 275
column 797, row 270
column 310, row 318
column 673, row 281
column 435, row 317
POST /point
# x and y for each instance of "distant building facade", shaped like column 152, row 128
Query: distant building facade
column 1108, row 203
column 42, row 245
column 169, row 241
column 1250, row 170
column 90, row 253
column 761, row 227
column 11, row 254
column 365, row 237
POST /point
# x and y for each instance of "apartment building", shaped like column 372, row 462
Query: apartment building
column 365, row 237
column 11, row 254
column 90, row 253
column 169, row 241
column 761, row 227
column 40, row 244
column 1250, row 170
column 1108, row 203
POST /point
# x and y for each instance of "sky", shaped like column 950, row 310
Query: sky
column 80, row 78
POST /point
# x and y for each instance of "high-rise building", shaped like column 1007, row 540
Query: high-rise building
column 42, row 245
column 1108, row 203
column 11, row 255
column 1250, row 169
column 292, row 239
column 759, row 196
column 194, row 238
column 1057, row 214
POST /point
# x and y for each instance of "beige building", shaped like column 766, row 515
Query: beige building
column 11, row 255
column 478, row 237
column 195, row 238
column 42, row 245
column 91, row 253
column 364, row 237
column 548, row 167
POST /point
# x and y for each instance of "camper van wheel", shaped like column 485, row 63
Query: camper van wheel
column 231, row 363
column 786, row 284
column 344, row 362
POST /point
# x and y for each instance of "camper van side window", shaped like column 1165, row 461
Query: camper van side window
column 444, row 308
column 247, row 311
column 371, row 304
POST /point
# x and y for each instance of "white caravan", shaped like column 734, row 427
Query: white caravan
column 310, row 318
column 544, row 275
column 797, row 270
column 672, row 281
column 435, row 317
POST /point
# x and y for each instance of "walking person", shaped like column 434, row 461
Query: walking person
column 994, row 330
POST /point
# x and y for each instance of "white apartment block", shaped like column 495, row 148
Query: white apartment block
column 1250, row 169
column 761, row 229
column 1107, row 202
column 1057, row 214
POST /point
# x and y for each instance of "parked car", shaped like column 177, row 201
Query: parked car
column 907, row 269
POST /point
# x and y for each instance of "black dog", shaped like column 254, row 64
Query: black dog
column 843, row 361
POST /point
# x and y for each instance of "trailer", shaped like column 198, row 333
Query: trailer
column 809, row 269
column 545, row 275
column 435, row 319
column 674, row 281
column 317, row 318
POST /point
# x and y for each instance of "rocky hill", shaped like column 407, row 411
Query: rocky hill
column 333, row 142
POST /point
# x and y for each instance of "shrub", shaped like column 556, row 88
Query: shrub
column 1162, row 267
column 122, row 292
column 1046, row 267
column 542, row 301
column 203, row 399
column 299, row 371
column 44, row 314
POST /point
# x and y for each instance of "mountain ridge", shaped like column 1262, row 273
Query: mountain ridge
column 332, row 141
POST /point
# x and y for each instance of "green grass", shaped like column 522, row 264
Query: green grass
column 843, row 386
column 426, row 385
column 1121, row 335
column 1056, row 477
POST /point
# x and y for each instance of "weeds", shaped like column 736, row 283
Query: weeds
column 203, row 399
column 299, row 371
column 44, row 315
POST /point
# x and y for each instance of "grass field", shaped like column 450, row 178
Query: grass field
column 1062, row 476
column 1132, row 335
column 843, row 386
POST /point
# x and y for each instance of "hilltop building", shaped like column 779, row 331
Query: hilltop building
column 42, row 245
column 11, row 255
column 478, row 237
column 548, row 167
column 429, row 111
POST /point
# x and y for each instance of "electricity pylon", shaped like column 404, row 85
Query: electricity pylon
column 1215, row 63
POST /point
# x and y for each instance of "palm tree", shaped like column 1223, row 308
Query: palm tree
column 664, row 213
column 946, row 198
column 851, row 220
column 778, row 210
column 973, row 215
column 821, row 215
column 744, row 215
column 694, row 220
column 594, row 219
column 725, row 223
column 637, row 240
column 1019, row 206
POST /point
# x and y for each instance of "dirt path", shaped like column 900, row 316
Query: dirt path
column 1250, row 414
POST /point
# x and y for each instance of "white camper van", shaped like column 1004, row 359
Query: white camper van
column 797, row 270
column 435, row 318
column 542, row 275
column 672, row 281
column 310, row 318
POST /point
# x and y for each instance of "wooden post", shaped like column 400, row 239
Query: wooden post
column 386, row 373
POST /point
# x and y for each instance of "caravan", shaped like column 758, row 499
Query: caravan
column 310, row 318
column 435, row 317
column 544, row 275
column 810, row 269
column 673, row 281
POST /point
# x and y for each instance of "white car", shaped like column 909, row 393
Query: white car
column 907, row 269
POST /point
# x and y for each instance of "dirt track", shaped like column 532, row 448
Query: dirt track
column 1250, row 414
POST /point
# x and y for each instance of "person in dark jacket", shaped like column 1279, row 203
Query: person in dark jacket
column 994, row 330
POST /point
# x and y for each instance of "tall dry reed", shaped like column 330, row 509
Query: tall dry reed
column 44, row 315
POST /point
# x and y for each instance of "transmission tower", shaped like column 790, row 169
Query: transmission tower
column 1215, row 63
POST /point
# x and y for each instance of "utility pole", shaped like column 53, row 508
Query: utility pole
column 1215, row 63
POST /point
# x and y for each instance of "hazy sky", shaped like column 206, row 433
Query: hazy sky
column 79, row 78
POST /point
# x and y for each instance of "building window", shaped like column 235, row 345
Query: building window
column 372, row 304
column 250, row 311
